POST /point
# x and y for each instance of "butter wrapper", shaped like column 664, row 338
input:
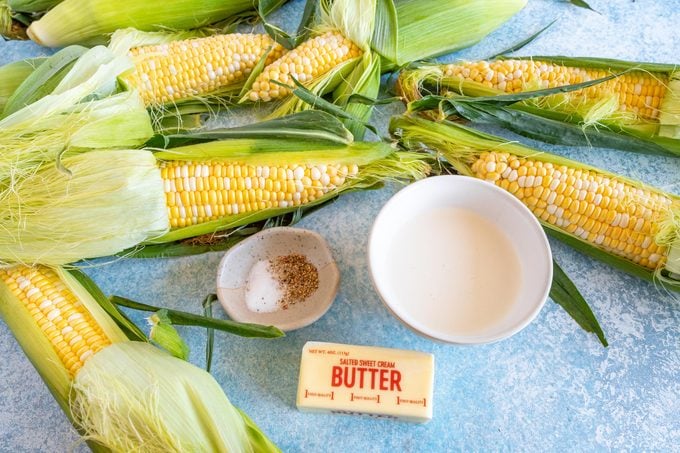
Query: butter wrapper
column 362, row 380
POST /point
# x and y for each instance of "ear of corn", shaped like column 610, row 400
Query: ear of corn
column 226, row 184
column 632, row 223
column 636, row 96
column 193, row 68
column 306, row 63
column 405, row 33
column 641, row 103
column 121, row 395
column 79, row 21
column 57, row 323
column 339, row 38
column 336, row 61
column 109, row 201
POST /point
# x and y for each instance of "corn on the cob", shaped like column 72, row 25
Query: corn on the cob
column 306, row 63
column 55, row 218
column 62, row 319
column 198, row 192
column 636, row 110
column 190, row 68
column 639, row 93
column 608, row 212
column 612, row 214
column 121, row 395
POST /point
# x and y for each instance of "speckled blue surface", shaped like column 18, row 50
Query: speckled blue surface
column 551, row 387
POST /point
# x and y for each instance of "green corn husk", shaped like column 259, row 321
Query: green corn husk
column 32, row 6
column 556, row 115
column 12, row 75
column 410, row 30
column 78, row 112
column 110, row 201
column 15, row 16
column 90, row 21
column 131, row 396
column 460, row 146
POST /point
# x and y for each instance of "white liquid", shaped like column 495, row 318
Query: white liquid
column 454, row 271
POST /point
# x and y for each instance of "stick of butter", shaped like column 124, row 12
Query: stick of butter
column 362, row 380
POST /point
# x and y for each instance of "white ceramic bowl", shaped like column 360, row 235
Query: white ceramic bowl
column 233, row 271
column 494, row 204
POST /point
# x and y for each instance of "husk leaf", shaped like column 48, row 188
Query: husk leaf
column 133, row 397
column 106, row 202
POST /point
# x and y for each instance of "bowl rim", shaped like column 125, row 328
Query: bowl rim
column 523, row 210
column 320, row 308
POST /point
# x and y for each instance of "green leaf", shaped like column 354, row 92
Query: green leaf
column 612, row 260
column 557, row 132
column 266, row 7
column 210, row 332
column 515, row 47
column 508, row 99
column 43, row 80
column 164, row 335
column 312, row 125
column 127, row 326
column 308, row 18
column 567, row 295
column 364, row 81
column 320, row 103
column 180, row 318
column 255, row 72
column 386, row 31
column 258, row 440
column 216, row 242
column 608, row 64
column 582, row 4
column 361, row 99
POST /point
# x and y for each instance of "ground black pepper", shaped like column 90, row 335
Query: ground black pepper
column 296, row 276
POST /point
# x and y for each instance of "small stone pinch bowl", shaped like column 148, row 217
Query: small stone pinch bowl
column 234, row 269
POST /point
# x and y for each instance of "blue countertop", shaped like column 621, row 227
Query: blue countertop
column 550, row 387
